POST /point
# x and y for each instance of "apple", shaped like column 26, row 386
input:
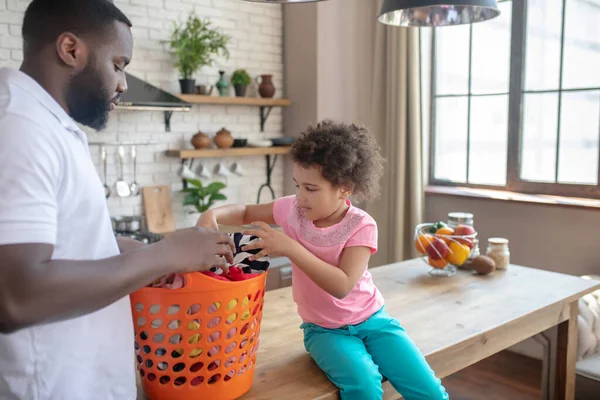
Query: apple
column 438, row 249
column 467, row 242
column 463, row 230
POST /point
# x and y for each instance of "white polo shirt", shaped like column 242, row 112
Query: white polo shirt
column 50, row 193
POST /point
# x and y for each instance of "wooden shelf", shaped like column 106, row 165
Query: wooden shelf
column 234, row 101
column 233, row 152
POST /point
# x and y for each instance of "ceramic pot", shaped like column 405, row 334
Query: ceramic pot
column 240, row 90
column 223, row 139
column 265, row 87
column 203, row 91
column 188, row 86
column 200, row 140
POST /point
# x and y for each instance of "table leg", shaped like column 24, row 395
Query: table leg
column 566, row 355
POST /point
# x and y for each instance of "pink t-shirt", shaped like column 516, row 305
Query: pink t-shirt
column 314, row 304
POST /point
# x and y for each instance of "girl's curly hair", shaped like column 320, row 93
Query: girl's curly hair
column 346, row 153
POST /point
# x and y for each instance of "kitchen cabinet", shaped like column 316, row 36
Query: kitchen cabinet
column 280, row 273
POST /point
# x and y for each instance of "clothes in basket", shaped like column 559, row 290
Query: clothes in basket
column 243, row 268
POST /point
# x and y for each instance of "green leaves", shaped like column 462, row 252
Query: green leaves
column 191, row 200
column 195, row 182
column 195, row 44
column 215, row 187
column 203, row 197
column 240, row 77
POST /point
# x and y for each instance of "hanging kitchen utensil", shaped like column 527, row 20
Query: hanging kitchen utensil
column 134, row 187
column 203, row 172
column 408, row 13
column 123, row 189
column 158, row 210
column 106, row 188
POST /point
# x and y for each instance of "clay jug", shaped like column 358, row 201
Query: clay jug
column 266, row 88
column 200, row 140
column 223, row 139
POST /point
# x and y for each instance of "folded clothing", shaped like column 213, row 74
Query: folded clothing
column 235, row 274
column 171, row 281
column 242, row 258
column 243, row 268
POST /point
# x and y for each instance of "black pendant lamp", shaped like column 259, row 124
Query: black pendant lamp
column 437, row 12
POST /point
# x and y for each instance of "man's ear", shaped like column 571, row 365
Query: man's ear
column 72, row 51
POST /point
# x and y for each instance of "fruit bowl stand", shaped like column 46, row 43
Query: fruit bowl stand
column 444, row 253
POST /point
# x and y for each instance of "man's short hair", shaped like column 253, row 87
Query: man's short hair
column 45, row 20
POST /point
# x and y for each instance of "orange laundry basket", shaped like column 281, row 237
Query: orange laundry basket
column 200, row 341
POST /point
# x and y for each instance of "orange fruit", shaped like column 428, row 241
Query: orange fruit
column 458, row 254
column 422, row 242
column 445, row 231
column 439, row 264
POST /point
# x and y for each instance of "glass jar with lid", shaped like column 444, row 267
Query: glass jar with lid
column 498, row 251
column 459, row 218
column 463, row 218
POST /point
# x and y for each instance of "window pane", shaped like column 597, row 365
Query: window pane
column 578, row 156
column 452, row 60
column 491, row 53
column 489, row 133
column 542, row 60
column 540, row 124
column 451, row 139
column 582, row 44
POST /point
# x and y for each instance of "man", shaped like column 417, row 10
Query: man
column 65, row 320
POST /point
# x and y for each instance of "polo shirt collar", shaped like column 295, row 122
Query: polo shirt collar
column 35, row 90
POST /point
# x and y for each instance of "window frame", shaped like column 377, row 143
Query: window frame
column 516, row 93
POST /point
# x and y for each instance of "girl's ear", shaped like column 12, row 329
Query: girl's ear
column 345, row 192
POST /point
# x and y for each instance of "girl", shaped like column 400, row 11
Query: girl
column 329, row 242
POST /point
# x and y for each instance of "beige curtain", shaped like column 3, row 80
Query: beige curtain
column 396, row 122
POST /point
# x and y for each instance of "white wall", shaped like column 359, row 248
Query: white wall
column 256, row 45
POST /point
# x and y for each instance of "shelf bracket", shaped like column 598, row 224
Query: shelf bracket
column 168, row 115
column 264, row 114
column 270, row 167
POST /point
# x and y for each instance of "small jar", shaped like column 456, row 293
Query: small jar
column 464, row 218
column 498, row 251
column 459, row 218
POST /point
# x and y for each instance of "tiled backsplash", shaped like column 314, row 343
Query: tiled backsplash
column 256, row 31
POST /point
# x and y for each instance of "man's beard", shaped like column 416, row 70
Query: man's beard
column 88, row 100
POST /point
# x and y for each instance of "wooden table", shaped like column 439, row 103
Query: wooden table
column 455, row 321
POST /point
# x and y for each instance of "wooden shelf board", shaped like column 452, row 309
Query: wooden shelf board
column 233, row 152
column 234, row 101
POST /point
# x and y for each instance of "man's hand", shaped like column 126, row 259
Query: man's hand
column 273, row 243
column 197, row 249
column 208, row 220
column 34, row 288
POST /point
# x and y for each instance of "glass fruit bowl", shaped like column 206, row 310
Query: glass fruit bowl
column 444, row 248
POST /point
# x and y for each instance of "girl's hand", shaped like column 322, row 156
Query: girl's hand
column 271, row 242
column 207, row 220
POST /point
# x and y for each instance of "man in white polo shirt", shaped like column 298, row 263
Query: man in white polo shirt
column 65, row 323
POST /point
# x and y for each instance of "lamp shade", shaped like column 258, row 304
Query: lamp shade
column 437, row 13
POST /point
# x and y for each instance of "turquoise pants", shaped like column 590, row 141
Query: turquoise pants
column 357, row 357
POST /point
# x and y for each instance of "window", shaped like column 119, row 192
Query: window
column 516, row 100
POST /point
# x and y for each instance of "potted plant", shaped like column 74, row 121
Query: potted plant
column 203, row 197
column 194, row 45
column 240, row 81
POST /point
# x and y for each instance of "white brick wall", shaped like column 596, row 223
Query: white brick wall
column 256, row 45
